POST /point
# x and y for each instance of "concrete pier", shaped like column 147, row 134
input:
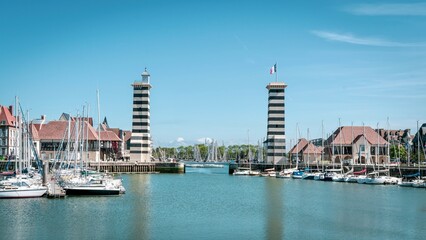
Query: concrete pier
column 138, row 167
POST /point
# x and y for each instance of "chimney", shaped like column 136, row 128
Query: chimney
column 43, row 117
column 11, row 109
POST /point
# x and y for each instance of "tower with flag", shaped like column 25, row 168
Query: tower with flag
column 275, row 140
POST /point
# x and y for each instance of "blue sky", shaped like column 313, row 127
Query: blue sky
column 360, row 61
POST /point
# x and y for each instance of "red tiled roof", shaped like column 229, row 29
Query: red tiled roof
column 34, row 132
column 303, row 146
column 312, row 149
column 115, row 130
column 346, row 135
column 109, row 136
column 299, row 146
column 7, row 116
column 37, row 126
column 57, row 130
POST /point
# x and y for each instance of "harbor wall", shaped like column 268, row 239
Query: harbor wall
column 118, row 167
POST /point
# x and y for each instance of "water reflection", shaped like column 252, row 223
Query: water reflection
column 274, row 208
column 140, row 196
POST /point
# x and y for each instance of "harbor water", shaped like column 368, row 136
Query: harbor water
column 207, row 203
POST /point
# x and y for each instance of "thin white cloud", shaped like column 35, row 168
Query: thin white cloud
column 205, row 140
column 396, row 9
column 180, row 139
column 240, row 42
column 388, row 85
column 349, row 38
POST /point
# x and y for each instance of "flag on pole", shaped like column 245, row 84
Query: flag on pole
column 273, row 69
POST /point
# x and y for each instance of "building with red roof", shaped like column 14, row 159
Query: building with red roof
column 357, row 144
column 306, row 152
column 7, row 132
column 55, row 135
column 123, row 147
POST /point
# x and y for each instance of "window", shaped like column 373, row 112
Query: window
column 362, row 148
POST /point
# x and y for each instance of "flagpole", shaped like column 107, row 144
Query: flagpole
column 276, row 72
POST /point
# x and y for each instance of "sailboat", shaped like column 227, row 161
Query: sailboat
column 247, row 171
column 286, row 173
column 22, row 185
column 95, row 184
column 339, row 177
column 419, row 182
column 20, row 188
column 297, row 174
column 407, row 180
column 308, row 174
column 320, row 174
column 352, row 176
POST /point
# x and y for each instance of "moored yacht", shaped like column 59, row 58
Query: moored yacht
column 94, row 187
column 16, row 188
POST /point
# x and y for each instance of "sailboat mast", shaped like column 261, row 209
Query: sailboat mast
column 297, row 147
column 332, row 151
column 388, row 142
column 308, row 147
column 418, row 144
column 341, row 146
column 365, row 149
column 322, row 145
column 378, row 149
column 68, row 140
column 76, row 142
column 87, row 137
column 20, row 142
column 99, row 131
column 27, row 142
column 16, row 135
column 81, row 145
column 352, row 143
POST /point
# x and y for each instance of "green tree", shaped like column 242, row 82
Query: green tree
column 398, row 152
column 203, row 151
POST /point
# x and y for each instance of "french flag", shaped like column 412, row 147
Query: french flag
column 273, row 69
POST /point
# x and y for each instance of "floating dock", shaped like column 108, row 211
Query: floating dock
column 54, row 190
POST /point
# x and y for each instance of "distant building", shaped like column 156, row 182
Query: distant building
column 396, row 137
column 317, row 141
column 419, row 143
column 7, row 132
column 54, row 135
column 359, row 145
column 123, row 148
column 54, row 140
column 306, row 152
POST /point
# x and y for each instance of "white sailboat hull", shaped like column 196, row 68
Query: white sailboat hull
column 23, row 192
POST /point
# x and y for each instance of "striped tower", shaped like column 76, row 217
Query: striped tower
column 140, row 142
column 275, row 141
